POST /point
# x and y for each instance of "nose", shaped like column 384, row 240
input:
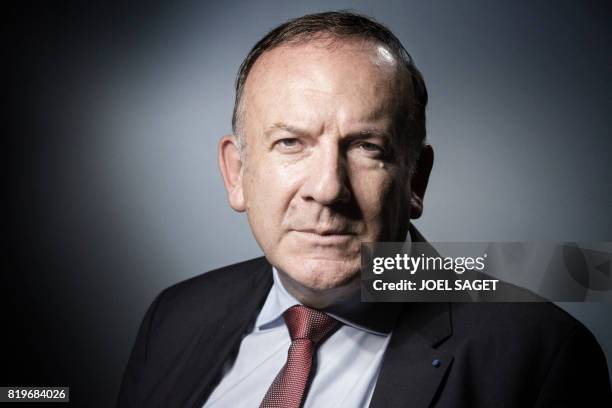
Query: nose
column 327, row 181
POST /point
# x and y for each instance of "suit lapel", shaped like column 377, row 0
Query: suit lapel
column 221, row 338
column 412, row 368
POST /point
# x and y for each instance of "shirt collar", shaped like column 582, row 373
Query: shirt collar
column 278, row 300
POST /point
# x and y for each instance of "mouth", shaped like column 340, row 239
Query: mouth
column 326, row 236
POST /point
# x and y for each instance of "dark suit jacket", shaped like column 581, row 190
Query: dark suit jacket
column 490, row 354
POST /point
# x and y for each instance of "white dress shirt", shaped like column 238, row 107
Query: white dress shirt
column 347, row 363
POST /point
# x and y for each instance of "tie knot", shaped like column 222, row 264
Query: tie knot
column 306, row 323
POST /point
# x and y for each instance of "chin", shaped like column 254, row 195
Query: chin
column 320, row 275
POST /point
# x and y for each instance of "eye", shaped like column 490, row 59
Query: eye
column 372, row 150
column 289, row 144
column 370, row 147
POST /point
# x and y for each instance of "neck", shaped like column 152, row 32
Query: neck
column 320, row 299
column 345, row 303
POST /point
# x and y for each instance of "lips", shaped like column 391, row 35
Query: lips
column 325, row 232
column 326, row 237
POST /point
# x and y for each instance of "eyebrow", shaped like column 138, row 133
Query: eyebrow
column 373, row 132
column 279, row 126
column 369, row 132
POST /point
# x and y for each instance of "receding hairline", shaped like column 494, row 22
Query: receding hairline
column 329, row 42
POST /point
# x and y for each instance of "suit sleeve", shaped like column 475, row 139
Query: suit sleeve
column 578, row 376
column 129, row 392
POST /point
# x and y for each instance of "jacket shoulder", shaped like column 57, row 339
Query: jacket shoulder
column 182, row 325
column 207, row 296
column 522, row 332
column 535, row 340
column 519, row 322
column 218, row 280
column 519, row 315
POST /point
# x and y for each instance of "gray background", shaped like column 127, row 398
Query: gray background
column 115, row 192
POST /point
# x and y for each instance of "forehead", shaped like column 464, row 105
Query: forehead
column 355, row 78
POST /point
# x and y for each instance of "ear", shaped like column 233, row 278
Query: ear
column 419, row 180
column 230, row 165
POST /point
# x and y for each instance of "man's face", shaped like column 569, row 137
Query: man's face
column 322, row 170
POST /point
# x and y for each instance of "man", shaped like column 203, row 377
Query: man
column 329, row 151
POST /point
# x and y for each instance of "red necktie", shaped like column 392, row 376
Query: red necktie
column 307, row 328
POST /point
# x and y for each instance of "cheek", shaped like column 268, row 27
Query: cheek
column 269, row 189
column 373, row 191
